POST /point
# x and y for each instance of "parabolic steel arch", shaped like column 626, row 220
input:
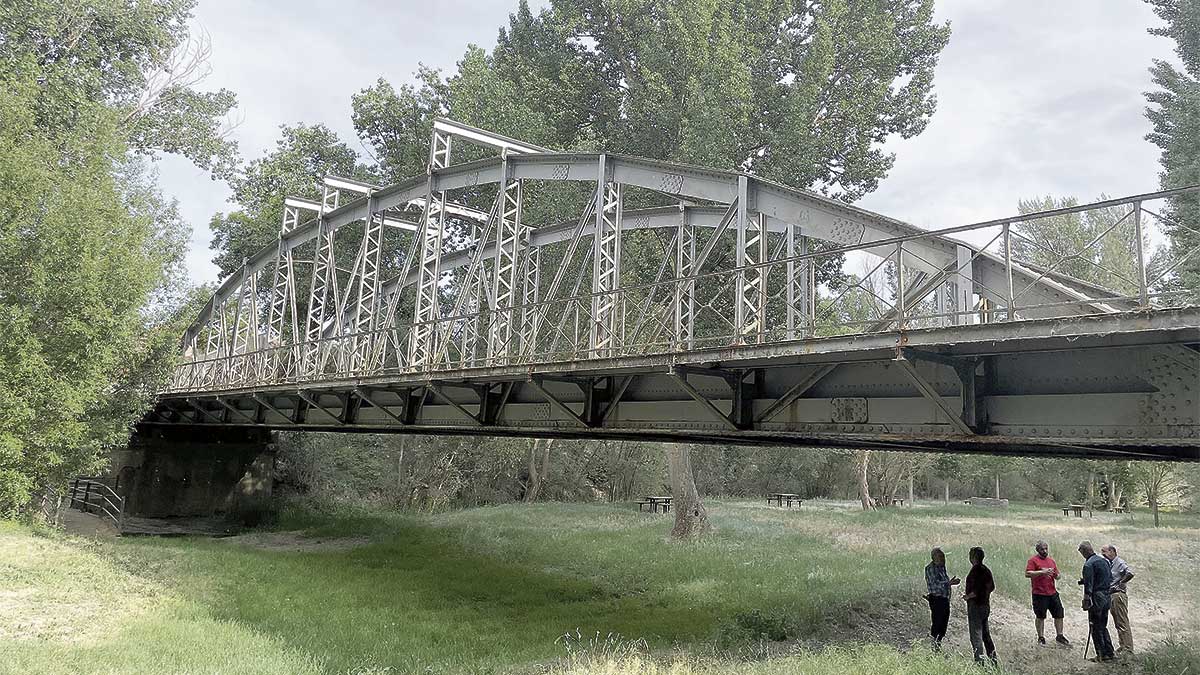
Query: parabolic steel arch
column 456, row 312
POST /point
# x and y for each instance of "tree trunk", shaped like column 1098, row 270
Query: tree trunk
column 537, row 475
column 997, row 486
column 691, row 519
column 1152, row 497
column 400, row 495
column 535, row 483
column 1110, row 487
column 947, row 493
column 1117, row 498
column 910, row 489
column 1091, row 491
column 864, row 488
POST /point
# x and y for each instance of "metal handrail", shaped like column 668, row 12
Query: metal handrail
column 93, row 495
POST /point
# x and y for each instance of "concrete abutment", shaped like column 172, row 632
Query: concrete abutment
column 190, row 471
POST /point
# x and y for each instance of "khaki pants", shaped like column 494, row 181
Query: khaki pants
column 1120, row 615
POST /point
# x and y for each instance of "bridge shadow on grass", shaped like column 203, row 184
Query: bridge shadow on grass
column 418, row 598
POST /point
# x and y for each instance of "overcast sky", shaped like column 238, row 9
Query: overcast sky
column 1035, row 97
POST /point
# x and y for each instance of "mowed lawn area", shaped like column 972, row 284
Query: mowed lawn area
column 826, row 588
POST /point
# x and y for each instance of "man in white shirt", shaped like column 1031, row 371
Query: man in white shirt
column 1121, row 574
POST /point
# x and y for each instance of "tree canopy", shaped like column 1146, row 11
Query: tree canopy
column 90, row 252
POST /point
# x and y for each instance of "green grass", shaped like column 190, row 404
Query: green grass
column 495, row 589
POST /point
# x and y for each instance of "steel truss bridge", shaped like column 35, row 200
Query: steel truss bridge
column 683, row 303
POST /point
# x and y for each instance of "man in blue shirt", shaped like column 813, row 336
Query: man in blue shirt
column 1096, row 581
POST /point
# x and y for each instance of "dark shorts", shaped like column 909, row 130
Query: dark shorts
column 1042, row 603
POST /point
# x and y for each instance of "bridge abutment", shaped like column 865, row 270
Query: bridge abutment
column 189, row 471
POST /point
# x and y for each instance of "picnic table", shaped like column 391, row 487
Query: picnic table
column 1077, row 508
column 780, row 497
column 655, row 501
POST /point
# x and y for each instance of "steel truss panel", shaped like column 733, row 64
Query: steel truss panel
column 755, row 334
column 823, row 218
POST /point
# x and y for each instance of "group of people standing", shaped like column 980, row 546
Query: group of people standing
column 1104, row 580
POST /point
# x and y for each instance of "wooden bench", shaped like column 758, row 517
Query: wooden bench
column 779, row 498
column 1077, row 508
column 654, row 502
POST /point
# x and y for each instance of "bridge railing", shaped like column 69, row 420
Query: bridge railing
column 93, row 495
column 1005, row 270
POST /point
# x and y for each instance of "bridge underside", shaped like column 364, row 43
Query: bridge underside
column 1113, row 385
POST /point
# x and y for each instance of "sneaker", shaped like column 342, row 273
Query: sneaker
column 1062, row 640
column 1041, row 640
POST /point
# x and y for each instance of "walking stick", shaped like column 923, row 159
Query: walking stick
column 1088, row 642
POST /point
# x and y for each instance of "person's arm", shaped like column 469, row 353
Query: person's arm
column 1032, row 570
column 1055, row 572
column 1088, row 585
column 990, row 583
column 1124, row 578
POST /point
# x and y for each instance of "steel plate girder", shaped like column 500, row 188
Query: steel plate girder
column 1127, row 402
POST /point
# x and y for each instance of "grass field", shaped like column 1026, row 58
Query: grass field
column 495, row 590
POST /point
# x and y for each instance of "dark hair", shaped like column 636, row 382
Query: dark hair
column 975, row 551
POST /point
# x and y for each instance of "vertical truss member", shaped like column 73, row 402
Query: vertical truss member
column 607, row 316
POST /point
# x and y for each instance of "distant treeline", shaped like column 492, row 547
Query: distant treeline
column 432, row 473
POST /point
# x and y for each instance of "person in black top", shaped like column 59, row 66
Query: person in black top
column 1096, row 582
column 977, row 591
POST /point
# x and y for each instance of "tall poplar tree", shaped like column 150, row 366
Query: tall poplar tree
column 1175, row 113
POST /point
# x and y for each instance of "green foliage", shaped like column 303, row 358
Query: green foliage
column 1174, row 112
column 1099, row 246
column 89, row 251
column 131, row 59
column 754, row 626
column 798, row 92
column 397, row 123
column 303, row 156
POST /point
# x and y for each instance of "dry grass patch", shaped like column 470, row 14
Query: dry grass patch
column 53, row 588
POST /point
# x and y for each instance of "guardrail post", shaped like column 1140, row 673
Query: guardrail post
column 87, row 495
column 1143, row 292
column 1012, row 314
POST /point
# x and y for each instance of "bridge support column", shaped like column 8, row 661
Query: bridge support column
column 195, row 471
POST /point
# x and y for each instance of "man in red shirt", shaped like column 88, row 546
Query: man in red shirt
column 1042, row 571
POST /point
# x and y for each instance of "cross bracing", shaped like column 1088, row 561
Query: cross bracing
column 453, row 284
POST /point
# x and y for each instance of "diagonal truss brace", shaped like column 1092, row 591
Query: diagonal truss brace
column 934, row 397
column 795, row 392
column 680, row 377
column 554, row 401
